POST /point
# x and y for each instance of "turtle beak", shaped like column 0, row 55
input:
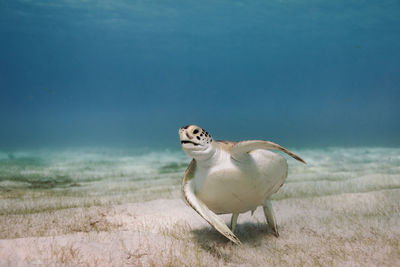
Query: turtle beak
column 186, row 139
column 188, row 142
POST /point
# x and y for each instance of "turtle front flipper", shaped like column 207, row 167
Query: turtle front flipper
column 202, row 209
column 207, row 214
column 240, row 149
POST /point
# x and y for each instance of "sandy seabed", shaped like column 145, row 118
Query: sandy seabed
column 110, row 208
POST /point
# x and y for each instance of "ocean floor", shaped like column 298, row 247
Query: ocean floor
column 110, row 207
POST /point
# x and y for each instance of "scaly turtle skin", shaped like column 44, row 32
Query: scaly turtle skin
column 231, row 177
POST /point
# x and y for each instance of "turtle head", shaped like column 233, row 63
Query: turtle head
column 196, row 142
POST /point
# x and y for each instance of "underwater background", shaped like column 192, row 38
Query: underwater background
column 128, row 74
column 92, row 94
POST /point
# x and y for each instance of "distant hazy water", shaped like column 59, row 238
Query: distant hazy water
column 45, row 180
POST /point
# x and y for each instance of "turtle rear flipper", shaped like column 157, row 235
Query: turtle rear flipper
column 270, row 216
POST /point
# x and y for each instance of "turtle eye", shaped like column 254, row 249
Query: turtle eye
column 196, row 131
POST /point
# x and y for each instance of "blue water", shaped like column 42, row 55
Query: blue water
column 130, row 73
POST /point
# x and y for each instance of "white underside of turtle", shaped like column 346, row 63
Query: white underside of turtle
column 231, row 177
column 232, row 186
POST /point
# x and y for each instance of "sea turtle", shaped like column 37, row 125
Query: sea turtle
column 231, row 177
